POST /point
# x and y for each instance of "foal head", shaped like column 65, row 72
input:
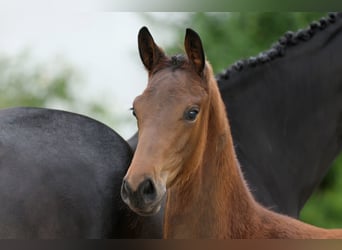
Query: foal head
column 172, row 115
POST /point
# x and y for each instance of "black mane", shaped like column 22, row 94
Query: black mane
column 278, row 49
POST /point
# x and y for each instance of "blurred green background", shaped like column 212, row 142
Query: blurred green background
column 227, row 37
column 53, row 82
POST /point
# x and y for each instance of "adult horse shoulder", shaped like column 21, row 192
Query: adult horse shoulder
column 185, row 149
column 286, row 114
column 60, row 177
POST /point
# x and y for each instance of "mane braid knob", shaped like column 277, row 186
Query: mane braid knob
column 264, row 58
column 314, row 26
column 323, row 23
column 238, row 66
column 304, row 35
column 332, row 17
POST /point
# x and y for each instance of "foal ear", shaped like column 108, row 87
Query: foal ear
column 150, row 53
column 194, row 50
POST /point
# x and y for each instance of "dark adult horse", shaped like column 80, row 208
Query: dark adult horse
column 60, row 173
column 60, row 177
column 57, row 175
column 286, row 114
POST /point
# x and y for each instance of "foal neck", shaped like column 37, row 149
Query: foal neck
column 208, row 203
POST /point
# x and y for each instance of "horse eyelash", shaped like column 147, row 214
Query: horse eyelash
column 133, row 111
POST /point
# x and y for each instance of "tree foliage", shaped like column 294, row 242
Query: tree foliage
column 25, row 83
column 53, row 83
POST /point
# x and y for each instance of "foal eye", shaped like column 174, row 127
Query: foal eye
column 191, row 114
column 133, row 112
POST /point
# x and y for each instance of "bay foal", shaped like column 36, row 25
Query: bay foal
column 185, row 147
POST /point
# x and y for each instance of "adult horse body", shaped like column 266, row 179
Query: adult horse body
column 60, row 177
column 285, row 109
column 185, row 149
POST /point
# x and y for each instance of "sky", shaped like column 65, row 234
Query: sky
column 101, row 45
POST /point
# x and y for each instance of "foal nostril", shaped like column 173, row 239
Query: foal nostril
column 125, row 189
column 148, row 190
column 145, row 194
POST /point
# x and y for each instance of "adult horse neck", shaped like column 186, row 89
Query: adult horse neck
column 185, row 146
column 292, row 95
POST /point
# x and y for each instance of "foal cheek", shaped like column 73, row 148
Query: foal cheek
column 173, row 164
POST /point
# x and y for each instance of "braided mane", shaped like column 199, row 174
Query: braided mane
column 289, row 39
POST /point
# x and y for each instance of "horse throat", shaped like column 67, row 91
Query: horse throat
column 215, row 200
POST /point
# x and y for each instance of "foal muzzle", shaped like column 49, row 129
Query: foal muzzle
column 145, row 200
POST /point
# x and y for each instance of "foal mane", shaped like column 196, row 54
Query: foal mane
column 277, row 50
